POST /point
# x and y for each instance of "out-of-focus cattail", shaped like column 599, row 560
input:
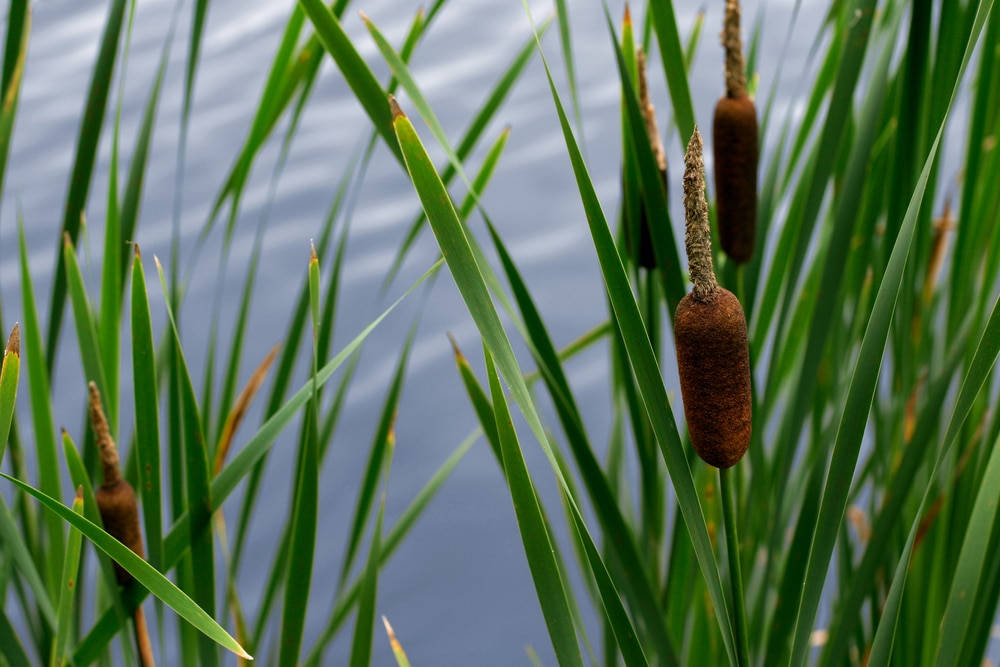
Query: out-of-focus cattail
column 116, row 499
column 646, row 257
column 710, row 332
column 734, row 141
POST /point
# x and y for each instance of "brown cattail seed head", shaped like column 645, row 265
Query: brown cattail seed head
column 734, row 139
column 646, row 257
column 116, row 499
column 710, row 332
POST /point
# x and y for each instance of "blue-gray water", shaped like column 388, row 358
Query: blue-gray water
column 458, row 592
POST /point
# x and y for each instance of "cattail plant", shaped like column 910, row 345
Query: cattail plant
column 119, row 509
column 710, row 332
column 734, row 139
column 645, row 255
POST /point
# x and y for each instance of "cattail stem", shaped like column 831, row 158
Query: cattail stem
column 736, row 79
column 697, row 237
column 740, row 626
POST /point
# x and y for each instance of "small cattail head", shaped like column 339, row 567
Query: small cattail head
column 116, row 500
column 713, row 364
column 734, row 139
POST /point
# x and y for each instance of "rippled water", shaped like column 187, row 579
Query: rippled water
column 458, row 591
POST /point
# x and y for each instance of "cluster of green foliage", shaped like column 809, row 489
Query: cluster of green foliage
column 871, row 480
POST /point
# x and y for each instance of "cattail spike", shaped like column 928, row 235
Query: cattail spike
column 102, row 434
column 697, row 237
column 736, row 79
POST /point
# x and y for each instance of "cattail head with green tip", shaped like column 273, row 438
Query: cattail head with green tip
column 710, row 333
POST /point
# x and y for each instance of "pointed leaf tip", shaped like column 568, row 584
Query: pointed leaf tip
column 627, row 19
column 394, row 107
column 14, row 342
column 138, row 255
column 459, row 357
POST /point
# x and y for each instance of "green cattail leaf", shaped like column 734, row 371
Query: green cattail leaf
column 364, row 629
column 672, row 54
column 143, row 572
column 534, row 535
column 356, row 72
column 635, row 583
column 198, row 498
column 43, row 421
column 10, row 371
column 489, row 108
column 86, row 328
column 969, row 570
column 15, row 54
column 16, row 549
column 147, row 421
column 303, row 523
column 83, row 165
column 71, row 567
column 10, row 639
column 314, row 291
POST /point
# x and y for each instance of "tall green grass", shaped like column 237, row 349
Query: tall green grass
column 865, row 507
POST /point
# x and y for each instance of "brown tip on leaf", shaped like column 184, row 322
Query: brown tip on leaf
column 79, row 492
column 313, row 257
column 394, row 107
column 14, row 342
column 102, row 435
column 736, row 81
column 138, row 255
column 459, row 357
column 67, row 241
column 364, row 17
column 627, row 19
column 396, row 646
column 697, row 237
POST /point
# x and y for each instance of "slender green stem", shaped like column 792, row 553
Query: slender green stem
column 740, row 626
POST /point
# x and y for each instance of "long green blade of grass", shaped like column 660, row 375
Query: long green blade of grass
column 355, row 70
column 49, row 475
column 536, row 539
column 969, row 571
column 71, row 567
column 10, row 372
column 83, row 166
column 143, row 572
column 147, row 421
